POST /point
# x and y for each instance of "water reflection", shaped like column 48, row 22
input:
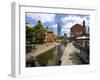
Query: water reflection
column 60, row 50
column 50, row 58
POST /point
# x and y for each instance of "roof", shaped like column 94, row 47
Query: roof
column 76, row 25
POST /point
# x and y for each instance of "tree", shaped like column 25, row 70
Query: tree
column 35, row 34
column 29, row 34
column 39, row 33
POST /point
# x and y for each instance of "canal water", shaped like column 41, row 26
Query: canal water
column 50, row 58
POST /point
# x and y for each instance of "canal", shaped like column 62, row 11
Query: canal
column 49, row 58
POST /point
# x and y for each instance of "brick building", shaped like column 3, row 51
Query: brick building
column 49, row 36
column 78, row 30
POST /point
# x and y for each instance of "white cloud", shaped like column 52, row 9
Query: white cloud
column 71, row 20
column 67, row 31
column 43, row 17
column 68, row 25
column 54, row 25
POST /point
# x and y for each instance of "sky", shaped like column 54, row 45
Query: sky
column 66, row 21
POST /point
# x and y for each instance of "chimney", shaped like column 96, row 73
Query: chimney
column 84, row 27
column 83, row 23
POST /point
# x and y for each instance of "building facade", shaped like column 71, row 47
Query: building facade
column 59, row 29
column 49, row 36
column 78, row 30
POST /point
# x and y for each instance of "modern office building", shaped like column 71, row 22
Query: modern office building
column 59, row 29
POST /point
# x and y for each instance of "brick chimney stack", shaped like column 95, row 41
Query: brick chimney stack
column 84, row 27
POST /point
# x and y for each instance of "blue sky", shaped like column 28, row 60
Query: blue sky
column 66, row 21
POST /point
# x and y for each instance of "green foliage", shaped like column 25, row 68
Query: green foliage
column 39, row 29
column 35, row 34
column 29, row 34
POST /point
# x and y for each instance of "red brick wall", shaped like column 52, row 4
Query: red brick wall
column 77, row 30
column 49, row 37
